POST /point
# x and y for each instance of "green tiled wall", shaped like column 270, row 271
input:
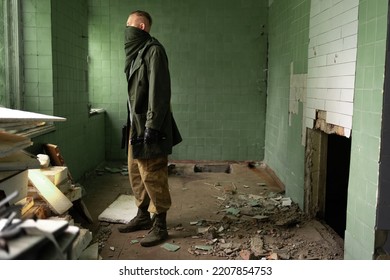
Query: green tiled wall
column 217, row 51
column 2, row 58
column 289, row 23
column 56, row 67
column 38, row 96
column 288, row 42
column 366, row 132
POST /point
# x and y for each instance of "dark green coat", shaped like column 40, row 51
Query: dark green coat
column 149, row 90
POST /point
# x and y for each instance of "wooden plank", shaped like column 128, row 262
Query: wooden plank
column 28, row 204
column 11, row 143
column 56, row 159
column 11, row 115
column 19, row 160
column 56, row 174
column 35, row 212
column 19, row 127
column 54, row 153
column 57, row 201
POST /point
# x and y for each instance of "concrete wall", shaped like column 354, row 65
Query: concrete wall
column 217, row 51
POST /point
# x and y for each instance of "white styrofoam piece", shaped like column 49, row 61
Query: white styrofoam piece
column 122, row 210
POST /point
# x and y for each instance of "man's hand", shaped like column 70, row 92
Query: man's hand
column 152, row 136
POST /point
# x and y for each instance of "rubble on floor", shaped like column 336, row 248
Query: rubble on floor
column 246, row 220
column 258, row 227
column 102, row 234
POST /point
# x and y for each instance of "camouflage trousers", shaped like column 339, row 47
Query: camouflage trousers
column 149, row 182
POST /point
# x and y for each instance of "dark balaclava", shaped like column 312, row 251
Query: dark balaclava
column 135, row 40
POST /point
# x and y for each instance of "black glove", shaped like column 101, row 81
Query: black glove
column 152, row 136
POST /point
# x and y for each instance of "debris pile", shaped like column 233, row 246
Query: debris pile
column 46, row 191
column 257, row 227
column 243, row 219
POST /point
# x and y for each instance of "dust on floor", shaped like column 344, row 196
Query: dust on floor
column 238, row 212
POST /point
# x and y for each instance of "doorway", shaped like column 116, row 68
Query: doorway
column 337, row 176
column 327, row 175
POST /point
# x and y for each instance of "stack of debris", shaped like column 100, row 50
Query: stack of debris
column 25, row 239
column 49, row 194
column 16, row 128
column 13, row 165
column 55, row 194
column 26, row 123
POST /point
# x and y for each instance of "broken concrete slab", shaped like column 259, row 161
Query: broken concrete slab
column 113, row 169
column 90, row 253
column 203, row 247
column 122, row 210
column 81, row 243
column 245, row 254
column 170, row 247
column 286, row 201
column 232, row 211
column 261, row 218
column 203, row 230
column 257, row 245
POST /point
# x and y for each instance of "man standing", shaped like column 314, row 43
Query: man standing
column 153, row 131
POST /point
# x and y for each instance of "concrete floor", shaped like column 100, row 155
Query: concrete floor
column 205, row 198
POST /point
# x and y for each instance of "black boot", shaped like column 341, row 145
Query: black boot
column 158, row 233
column 139, row 222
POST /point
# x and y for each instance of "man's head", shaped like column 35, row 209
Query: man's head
column 141, row 20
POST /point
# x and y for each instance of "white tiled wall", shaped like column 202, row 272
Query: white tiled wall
column 332, row 61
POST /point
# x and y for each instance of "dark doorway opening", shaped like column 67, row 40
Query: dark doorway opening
column 337, row 176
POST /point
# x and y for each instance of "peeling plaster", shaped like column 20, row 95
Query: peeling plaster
column 298, row 90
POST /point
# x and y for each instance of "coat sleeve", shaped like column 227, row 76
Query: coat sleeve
column 159, row 88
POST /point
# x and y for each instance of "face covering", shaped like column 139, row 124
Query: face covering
column 135, row 40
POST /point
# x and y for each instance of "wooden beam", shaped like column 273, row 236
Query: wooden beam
column 57, row 201
column 11, row 143
column 11, row 115
column 56, row 159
